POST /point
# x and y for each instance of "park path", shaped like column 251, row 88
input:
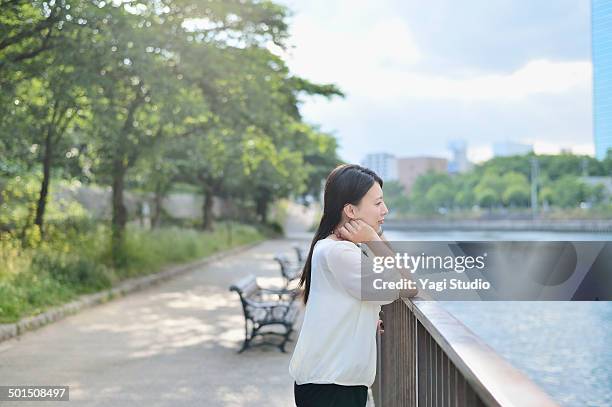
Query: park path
column 170, row 345
column 173, row 344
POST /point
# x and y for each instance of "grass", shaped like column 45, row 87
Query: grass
column 75, row 259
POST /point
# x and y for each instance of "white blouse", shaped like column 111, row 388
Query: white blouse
column 337, row 342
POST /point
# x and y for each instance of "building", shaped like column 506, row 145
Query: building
column 459, row 163
column 409, row 168
column 383, row 164
column 508, row 148
column 601, row 50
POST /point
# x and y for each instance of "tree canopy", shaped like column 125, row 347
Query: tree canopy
column 155, row 92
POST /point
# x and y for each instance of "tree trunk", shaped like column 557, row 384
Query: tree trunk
column 44, row 188
column 157, row 200
column 120, row 163
column 229, row 232
column 262, row 209
column 207, row 209
column 119, row 219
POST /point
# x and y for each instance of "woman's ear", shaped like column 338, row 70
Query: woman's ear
column 349, row 211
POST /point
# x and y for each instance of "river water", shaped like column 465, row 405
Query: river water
column 564, row 347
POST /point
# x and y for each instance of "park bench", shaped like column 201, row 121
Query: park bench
column 301, row 255
column 264, row 307
column 290, row 271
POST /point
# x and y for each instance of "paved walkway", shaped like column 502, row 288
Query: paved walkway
column 171, row 345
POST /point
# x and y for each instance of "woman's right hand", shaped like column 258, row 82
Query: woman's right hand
column 357, row 231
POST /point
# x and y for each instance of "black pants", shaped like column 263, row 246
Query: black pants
column 329, row 395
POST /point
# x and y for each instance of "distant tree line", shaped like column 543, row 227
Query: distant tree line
column 505, row 183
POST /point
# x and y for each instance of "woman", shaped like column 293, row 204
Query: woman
column 334, row 361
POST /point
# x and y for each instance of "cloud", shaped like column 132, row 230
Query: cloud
column 326, row 53
column 535, row 77
column 545, row 147
column 410, row 88
column 424, row 126
column 371, row 52
column 378, row 63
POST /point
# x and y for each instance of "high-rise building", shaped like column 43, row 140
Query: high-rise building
column 508, row 148
column 383, row 164
column 459, row 162
column 409, row 169
column 601, row 50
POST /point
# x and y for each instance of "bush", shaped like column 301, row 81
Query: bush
column 79, row 273
column 29, row 293
column 273, row 229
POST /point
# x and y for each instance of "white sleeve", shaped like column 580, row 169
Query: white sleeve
column 344, row 262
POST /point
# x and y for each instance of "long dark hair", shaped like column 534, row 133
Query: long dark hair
column 346, row 184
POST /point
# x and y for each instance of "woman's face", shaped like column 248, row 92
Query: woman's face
column 372, row 208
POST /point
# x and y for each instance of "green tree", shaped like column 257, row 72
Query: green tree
column 29, row 29
column 487, row 197
column 516, row 190
column 395, row 198
column 319, row 151
column 137, row 101
column 489, row 189
column 46, row 81
column 567, row 191
column 254, row 102
column 440, row 196
column 425, row 202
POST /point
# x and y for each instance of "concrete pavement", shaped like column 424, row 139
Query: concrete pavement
column 170, row 345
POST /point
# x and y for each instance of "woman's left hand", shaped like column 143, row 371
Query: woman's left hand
column 357, row 231
column 380, row 327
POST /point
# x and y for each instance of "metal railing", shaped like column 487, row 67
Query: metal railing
column 426, row 357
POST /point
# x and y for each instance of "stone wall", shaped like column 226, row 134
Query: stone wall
column 97, row 200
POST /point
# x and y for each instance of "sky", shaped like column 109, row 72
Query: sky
column 419, row 74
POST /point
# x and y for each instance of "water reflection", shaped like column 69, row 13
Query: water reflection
column 564, row 347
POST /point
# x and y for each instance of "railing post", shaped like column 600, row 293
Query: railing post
column 377, row 386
